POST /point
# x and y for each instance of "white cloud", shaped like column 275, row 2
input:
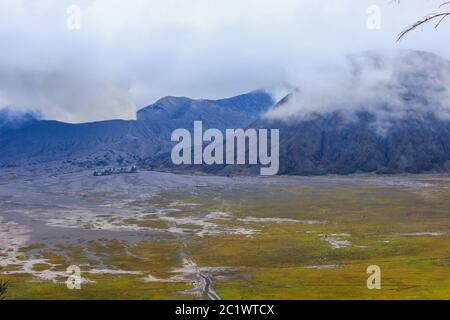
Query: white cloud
column 388, row 86
column 129, row 53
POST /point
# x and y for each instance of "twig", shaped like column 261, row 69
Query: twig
column 441, row 16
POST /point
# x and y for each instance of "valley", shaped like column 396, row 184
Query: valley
column 156, row 235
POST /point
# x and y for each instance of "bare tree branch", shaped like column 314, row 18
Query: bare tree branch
column 439, row 17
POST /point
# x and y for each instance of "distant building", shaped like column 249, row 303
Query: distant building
column 111, row 171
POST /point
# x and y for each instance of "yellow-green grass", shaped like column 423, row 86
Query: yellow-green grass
column 405, row 231
column 381, row 222
column 105, row 287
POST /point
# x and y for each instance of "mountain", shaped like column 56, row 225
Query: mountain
column 385, row 114
column 98, row 143
column 399, row 124
column 13, row 119
column 120, row 141
column 233, row 112
column 331, row 144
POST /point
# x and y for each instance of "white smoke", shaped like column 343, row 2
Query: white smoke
column 389, row 86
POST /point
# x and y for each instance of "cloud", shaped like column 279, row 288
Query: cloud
column 128, row 54
column 388, row 86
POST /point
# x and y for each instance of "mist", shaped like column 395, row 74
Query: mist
column 388, row 86
column 126, row 55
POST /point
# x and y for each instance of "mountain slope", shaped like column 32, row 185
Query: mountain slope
column 233, row 112
column 13, row 119
column 119, row 141
column 331, row 144
column 384, row 114
column 96, row 142
column 394, row 118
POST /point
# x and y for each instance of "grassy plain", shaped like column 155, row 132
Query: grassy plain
column 281, row 241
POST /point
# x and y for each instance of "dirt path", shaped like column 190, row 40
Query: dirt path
column 208, row 289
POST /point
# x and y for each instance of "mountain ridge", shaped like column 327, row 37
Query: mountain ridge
column 386, row 114
column 397, row 122
column 114, row 141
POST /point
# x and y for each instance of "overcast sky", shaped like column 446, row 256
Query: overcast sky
column 127, row 54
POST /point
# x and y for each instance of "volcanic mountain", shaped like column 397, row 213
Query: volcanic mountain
column 25, row 140
column 389, row 114
column 375, row 113
column 384, row 113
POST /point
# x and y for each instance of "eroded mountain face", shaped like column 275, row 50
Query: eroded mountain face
column 375, row 113
column 235, row 112
column 389, row 114
column 332, row 144
column 381, row 113
column 124, row 142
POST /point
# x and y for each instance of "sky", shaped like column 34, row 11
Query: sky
column 90, row 60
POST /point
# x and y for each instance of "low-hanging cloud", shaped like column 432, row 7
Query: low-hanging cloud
column 389, row 86
column 128, row 54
